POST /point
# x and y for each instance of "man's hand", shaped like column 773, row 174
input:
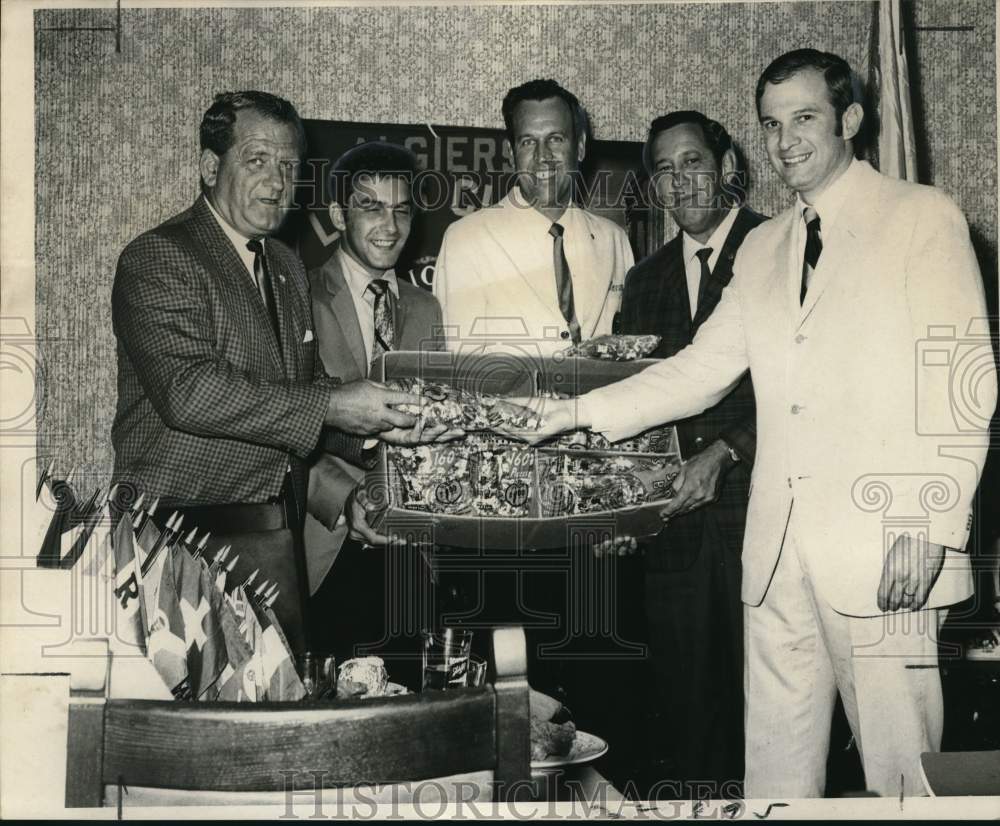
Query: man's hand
column 910, row 570
column 556, row 415
column 623, row 545
column 420, row 434
column 363, row 408
column 356, row 509
column 699, row 480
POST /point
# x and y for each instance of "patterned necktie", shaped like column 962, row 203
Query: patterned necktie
column 814, row 246
column 564, row 282
column 263, row 278
column 385, row 333
column 703, row 255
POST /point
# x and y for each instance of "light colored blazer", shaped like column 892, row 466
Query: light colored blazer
column 417, row 323
column 495, row 277
column 861, row 421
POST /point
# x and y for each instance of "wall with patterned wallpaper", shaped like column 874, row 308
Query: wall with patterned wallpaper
column 116, row 134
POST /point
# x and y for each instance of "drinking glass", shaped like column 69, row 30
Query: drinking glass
column 318, row 673
column 446, row 658
column 476, row 673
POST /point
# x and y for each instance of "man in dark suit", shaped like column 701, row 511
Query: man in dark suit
column 220, row 394
column 361, row 310
column 692, row 568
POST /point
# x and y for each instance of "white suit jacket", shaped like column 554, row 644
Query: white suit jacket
column 495, row 277
column 873, row 398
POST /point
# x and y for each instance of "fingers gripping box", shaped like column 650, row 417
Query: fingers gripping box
column 490, row 491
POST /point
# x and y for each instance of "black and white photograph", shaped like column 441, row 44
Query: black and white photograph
column 502, row 409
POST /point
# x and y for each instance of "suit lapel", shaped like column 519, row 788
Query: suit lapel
column 398, row 307
column 279, row 288
column 341, row 302
column 509, row 238
column 841, row 244
column 219, row 254
column 711, row 290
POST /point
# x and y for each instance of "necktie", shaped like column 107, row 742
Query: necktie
column 263, row 278
column 703, row 255
column 385, row 333
column 814, row 246
column 564, row 282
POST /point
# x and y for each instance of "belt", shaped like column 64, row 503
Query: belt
column 228, row 519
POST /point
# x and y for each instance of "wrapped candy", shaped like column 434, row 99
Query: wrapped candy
column 616, row 347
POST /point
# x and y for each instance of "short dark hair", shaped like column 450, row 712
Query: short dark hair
column 836, row 72
column 716, row 137
column 374, row 159
column 543, row 90
column 216, row 131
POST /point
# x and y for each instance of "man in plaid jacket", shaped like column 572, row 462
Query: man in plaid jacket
column 692, row 568
column 221, row 394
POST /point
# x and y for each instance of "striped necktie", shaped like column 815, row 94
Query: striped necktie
column 564, row 282
column 814, row 246
column 385, row 333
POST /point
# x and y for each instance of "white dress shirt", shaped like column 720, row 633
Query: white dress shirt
column 358, row 279
column 829, row 207
column 692, row 266
column 239, row 242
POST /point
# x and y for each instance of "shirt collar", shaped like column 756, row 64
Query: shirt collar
column 831, row 200
column 358, row 277
column 238, row 239
column 715, row 241
column 529, row 218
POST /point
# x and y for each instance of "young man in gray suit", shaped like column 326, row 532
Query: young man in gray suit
column 360, row 311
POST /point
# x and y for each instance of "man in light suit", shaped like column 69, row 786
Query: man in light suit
column 372, row 208
column 534, row 272
column 691, row 576
column 220, row 395
column 860, row 510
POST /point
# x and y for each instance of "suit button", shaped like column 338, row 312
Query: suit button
column 796, row 409
column 564, row 334
column 698, row 441
column 799, row 338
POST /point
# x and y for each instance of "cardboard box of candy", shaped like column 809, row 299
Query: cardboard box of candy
column 487, row 490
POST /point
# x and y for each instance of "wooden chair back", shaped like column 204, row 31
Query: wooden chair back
column 273, row 747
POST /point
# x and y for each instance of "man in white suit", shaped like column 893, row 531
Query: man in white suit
column 532, row 275
column 858, row 517
column 534, row 267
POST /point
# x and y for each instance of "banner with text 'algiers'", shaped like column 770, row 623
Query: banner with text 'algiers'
column 461, row 170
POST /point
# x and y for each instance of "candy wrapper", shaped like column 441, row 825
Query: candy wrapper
column 478, row 476
column 573, row 483
column 464, row 409
column 616, row 347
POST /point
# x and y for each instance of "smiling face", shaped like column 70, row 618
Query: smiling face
column 689, row 180
column 376, row 223
column 250, row 186
column 546, row 152
column 800, row 131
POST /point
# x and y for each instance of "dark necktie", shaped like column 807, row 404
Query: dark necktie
column 703, row 255
column 264, row 287
column 814, row 246
column 385, row 333
column 564, row 282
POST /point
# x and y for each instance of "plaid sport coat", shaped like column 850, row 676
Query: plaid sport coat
column 656, row 301
column 211, row 409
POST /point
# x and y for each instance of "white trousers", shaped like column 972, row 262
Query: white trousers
column 800, row 652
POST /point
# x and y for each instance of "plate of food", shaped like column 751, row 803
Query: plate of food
column 585, row 747
column 555, row 740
